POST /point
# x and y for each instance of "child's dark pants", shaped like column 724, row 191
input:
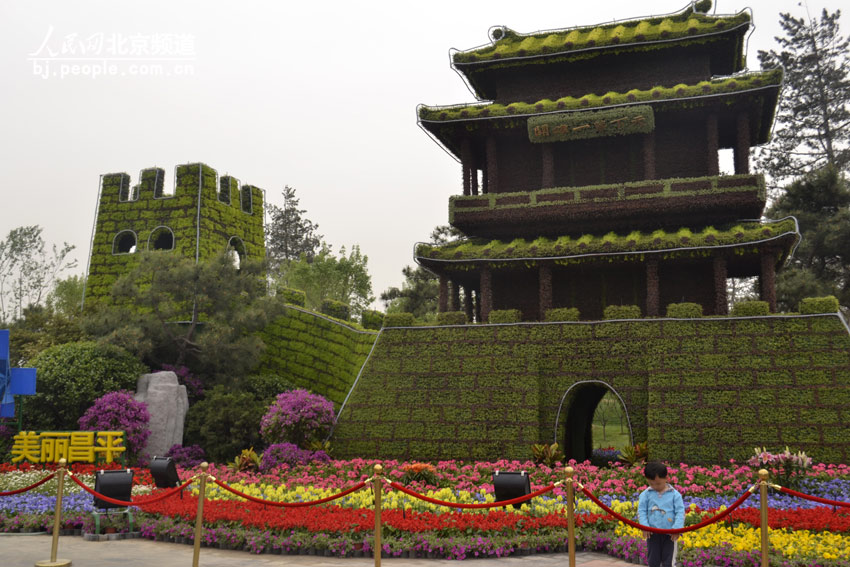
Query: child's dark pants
column 660, row 550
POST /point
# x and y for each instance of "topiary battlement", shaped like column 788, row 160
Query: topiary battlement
column 205, row 215
column 701, row 390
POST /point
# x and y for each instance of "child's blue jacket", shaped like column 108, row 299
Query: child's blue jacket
column 661, row 510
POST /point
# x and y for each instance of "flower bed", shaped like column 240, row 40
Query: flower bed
column 801, row 532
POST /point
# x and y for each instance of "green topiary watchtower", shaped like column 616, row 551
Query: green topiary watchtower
column 206, row 215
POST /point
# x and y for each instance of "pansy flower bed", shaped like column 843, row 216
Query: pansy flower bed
column 802, row 533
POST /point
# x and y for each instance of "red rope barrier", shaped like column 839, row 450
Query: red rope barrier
column 354, row 488
column 814, row 498
column 30, row 487
column 157, row 498
column 519, row 500
column 702, row 524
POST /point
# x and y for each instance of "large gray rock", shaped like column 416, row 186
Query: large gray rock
column 167, row 403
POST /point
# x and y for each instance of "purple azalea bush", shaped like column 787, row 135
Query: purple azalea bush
column 297, row 417
column 187, row 457
column 289, row 454
column 119, row 411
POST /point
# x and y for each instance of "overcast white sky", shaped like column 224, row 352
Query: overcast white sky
column 317, row 95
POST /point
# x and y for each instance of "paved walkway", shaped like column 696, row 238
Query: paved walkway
column 25, row 551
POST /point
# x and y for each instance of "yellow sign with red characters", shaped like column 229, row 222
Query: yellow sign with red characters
column 73, row 446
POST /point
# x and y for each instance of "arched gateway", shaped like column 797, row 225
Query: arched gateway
column 574, row 420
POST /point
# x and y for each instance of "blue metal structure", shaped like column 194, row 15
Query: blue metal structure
column 13, row 381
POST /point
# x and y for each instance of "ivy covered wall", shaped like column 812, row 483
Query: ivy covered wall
column 701, row 390
column 315, row 352
column 141, row 214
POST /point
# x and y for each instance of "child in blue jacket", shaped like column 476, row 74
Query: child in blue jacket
column 660, row 506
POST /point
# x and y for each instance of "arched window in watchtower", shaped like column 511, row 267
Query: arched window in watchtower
column 162, row 238
column 245, row 194
column 124, row 242
column 236, row 251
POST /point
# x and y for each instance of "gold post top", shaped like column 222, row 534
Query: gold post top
column 379, row 469
column 204, row 466
column 570, row 472
column 763, row 474
column 62, row 462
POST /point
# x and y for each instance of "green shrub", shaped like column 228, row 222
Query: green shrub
column 224, row 423
column 621, row 312
column 71, row 377
column 336, row 309
column 451, row 318
column 562, row 314
column 399, row 320
column 292, row 296
column 750, row 309
column 813, row 305
column 266, row 386
column 684, row 310
column 505, row 316
column 372, row 319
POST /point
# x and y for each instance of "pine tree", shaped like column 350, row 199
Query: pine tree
column 290, row 234
column 813, row 121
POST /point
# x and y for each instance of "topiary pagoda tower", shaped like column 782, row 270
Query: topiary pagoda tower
column 591, row 172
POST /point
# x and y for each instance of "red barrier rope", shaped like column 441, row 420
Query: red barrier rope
column 702, row 524
column 30, row 487
column 157, row 498
column 527, row 497
column 814, row 498
column 354, row 488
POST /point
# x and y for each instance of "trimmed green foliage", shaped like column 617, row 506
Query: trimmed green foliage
column 399, row 320
column 71, row 377
column 813, row 305
column 372, row 319
column 684, row 310
column 438, row 393
column 636, row 241
column 292, row 296
column 452, row 318
column 562, row 314
column 750, row 309
column 336, row 309
column 224, row 423
column 750, row 81
column 594, row 124
column 505, row 316
column 684, row 25
column 621, row 312
column 315, row 353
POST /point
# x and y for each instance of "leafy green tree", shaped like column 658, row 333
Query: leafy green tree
column 203, row 315
column 821, row 263
column 28, row 269
column 66, row 297
column 289, row 234
column 39, row 328
column 342, row 278
column 419, row 293
column 71, row 376
column 225, row 422
column 813, row 121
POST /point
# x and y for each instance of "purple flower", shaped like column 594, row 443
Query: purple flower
column 297, row 417
column 119, row 411
column 187, row 457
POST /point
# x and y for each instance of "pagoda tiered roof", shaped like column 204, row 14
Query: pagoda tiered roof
column 633, row 246
column 509, row 48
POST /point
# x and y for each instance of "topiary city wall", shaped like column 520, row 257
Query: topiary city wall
column 227, row 211
column 315, row 352
column 698, row 390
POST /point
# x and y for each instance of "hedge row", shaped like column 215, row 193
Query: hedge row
column 315, row 353
column 700, row 390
